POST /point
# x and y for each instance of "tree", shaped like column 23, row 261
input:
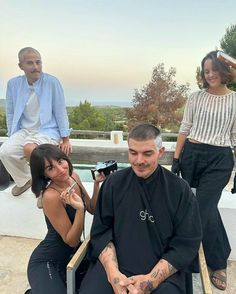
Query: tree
column 228, row 45
column 228, row 42
column 85, row 117
column 159, row 100
column 198, row 77
column 3, row 124
column 115, row 117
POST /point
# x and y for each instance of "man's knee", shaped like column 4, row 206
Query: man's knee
column 165, row 288
column 28, row 148
column 8, row 149
column 95, row 281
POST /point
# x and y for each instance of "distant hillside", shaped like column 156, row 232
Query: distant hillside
column 109, row 106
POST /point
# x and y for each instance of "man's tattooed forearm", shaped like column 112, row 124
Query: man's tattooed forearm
column 109, row 246
column 109, row 254
column 146, row 286
column 155, row 274
column 171, row 269
column 163, row 270
column 114, row 259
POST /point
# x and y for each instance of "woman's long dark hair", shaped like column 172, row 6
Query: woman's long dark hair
column 218, row 65
column 37, row 165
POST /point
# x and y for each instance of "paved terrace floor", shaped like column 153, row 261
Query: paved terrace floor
column 15, row 252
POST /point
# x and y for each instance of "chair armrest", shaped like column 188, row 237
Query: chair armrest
column 81, row 252
column 73, row 265
column 206, row 284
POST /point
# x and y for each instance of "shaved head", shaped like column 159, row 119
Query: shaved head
column 26, row 50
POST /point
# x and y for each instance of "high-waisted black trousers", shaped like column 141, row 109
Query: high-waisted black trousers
column 46, row 278
column 208, row 169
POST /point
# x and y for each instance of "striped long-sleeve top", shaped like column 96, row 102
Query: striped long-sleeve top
column 210, row 119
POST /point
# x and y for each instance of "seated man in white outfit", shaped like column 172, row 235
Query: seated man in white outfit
column 36, row 114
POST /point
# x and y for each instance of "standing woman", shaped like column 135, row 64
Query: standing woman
column 52, row 175
column 203, row 155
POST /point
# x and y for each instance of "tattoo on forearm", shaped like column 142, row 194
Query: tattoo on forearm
column 114, row 259
column 109, row 246
column 171, row 269
column 146, row 286
column 109, row 254
column 155, row 274
column 163, row 272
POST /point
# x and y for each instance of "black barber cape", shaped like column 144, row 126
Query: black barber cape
column 146, row 219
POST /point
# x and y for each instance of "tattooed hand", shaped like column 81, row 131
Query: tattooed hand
column 116, row 284
column 109, row 261
column 145, row 284
column 140, row 284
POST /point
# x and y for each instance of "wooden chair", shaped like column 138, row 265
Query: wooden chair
column 206, row 284
column 73, row 265
column 79, row 255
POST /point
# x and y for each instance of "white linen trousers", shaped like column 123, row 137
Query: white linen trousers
column 12, row 153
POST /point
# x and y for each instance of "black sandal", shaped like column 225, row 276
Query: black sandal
column 216, row 276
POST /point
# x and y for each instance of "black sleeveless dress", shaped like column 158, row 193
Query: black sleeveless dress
column 47, row 265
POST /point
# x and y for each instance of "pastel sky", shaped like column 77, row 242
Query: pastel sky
column 102, row 50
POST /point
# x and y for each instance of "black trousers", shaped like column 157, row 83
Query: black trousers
column 95, row 282
column 208, row 169
column 4, row 177
column 47, row 278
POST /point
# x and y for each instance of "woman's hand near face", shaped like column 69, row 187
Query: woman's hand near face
column 72, row 199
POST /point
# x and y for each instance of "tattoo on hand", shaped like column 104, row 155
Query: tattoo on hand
column 146, row 286
column 116, row 280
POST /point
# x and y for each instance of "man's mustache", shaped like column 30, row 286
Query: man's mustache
column 141, row 165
